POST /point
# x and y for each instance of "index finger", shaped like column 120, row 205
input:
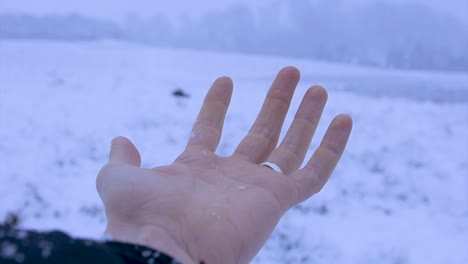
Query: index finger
column 206, row 131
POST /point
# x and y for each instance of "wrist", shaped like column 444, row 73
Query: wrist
column 152, row 237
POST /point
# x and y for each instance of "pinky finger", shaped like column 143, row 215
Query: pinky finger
column 316, row 173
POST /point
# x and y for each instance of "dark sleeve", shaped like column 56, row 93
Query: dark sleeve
column 19, row 246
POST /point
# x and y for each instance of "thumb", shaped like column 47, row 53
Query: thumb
column 123, row 151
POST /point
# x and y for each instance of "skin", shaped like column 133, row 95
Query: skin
column 204, row 207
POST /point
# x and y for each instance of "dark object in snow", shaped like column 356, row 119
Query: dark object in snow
column 18, row 246
column 180, row 93
column 11, row 221
column 323, row 209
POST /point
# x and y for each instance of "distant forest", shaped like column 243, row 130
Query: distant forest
column 404, row 36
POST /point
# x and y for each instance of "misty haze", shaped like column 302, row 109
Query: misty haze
column 380, row 34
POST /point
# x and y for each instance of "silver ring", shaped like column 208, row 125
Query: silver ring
column 273, row 166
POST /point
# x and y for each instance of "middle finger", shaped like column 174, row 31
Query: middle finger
column 264, row 134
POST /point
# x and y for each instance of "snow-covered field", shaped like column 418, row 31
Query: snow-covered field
column 399, row 196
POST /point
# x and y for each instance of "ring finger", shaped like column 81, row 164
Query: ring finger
column 292, row 150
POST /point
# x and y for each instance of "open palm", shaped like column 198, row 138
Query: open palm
column 204, row 207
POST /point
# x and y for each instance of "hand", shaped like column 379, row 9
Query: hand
column 204, row 207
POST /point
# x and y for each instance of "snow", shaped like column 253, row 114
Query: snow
column 400, row 194
column 8, row 250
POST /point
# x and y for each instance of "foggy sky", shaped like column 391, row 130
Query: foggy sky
column 117, row 10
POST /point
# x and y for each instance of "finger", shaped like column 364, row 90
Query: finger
column 123, row 151
column 263, row 136
column 291, row 153
column 316, row 173
column 208, row 127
